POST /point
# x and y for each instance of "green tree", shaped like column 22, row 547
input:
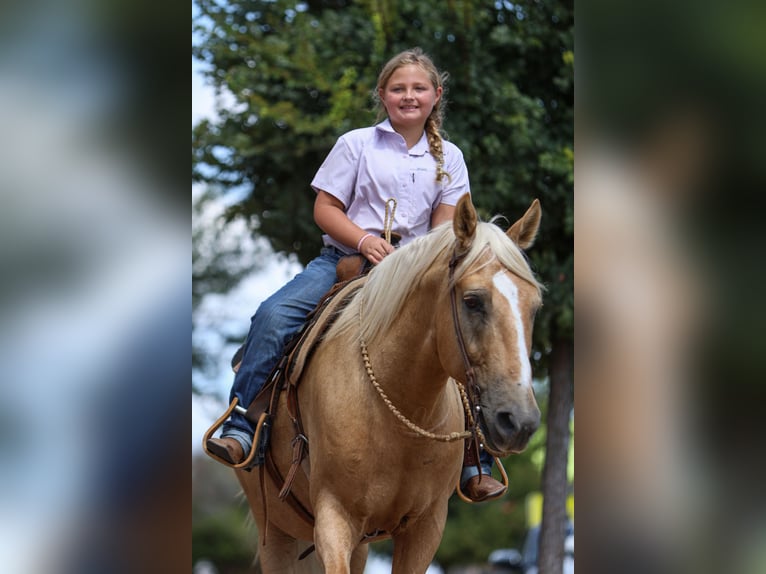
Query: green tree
column 302, row 73
column 223, row 253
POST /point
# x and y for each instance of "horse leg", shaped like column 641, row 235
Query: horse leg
column 334, row 537
column 414, row 548
column 359, row 559
column 310, row 564
column 279, row 554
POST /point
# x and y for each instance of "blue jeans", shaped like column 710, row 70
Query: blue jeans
column 486, row 461
column 274, row 323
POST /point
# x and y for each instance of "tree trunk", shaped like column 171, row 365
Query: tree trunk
column 554, row 487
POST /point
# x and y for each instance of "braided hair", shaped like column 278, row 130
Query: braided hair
column 417, row 57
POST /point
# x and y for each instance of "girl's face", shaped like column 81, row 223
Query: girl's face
column 409, row 97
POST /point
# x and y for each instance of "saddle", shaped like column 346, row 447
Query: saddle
column 299, row 350
column 286, row 374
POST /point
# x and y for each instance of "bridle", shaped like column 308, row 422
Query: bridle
column 469, row 391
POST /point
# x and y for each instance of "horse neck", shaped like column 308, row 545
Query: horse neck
column 405, row 360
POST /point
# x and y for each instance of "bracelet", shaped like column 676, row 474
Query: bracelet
column 359, row 245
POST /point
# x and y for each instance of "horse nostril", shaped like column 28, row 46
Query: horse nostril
column 510, row 426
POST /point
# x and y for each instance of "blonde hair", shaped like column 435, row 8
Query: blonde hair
column 417, row 57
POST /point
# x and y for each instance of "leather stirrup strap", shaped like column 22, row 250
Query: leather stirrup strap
column 299, row 446
column 262, row 481
column 291, row 499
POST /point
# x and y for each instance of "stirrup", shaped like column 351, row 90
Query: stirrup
column 504, row 475
column 256, row 437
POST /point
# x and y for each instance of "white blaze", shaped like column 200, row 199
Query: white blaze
column 511, row 293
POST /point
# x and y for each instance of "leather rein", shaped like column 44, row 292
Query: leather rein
column 469, row 391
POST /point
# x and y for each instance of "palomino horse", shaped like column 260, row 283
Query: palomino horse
column 371, row 474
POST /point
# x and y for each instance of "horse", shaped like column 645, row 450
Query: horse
column 383, row 399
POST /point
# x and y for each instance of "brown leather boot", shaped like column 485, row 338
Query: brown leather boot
column 227, row 448
column 481, row 487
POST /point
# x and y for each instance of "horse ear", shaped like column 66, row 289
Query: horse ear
column 464, row 222
column 524, row 231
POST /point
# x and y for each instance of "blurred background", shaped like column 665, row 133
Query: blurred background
column 276, row 84
column 668, row 245
column 95, row 298
column 95, row 243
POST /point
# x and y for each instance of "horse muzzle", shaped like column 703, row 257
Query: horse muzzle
column 508, row 432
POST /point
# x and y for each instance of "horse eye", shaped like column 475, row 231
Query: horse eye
column 472, row 302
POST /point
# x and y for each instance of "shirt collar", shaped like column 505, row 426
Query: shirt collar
column 419, row 148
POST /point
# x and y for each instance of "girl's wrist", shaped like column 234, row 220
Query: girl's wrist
column 361, row 241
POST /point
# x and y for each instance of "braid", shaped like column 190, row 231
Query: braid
column 434, row 122
column 435, row 144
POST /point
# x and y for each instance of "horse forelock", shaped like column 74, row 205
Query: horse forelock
column 491, row 243
column 392, row 281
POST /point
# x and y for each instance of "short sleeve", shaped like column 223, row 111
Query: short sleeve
column 337, row 174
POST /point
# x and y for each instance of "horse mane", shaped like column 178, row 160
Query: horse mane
column 393, row 279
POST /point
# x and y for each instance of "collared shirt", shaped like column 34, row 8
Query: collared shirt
column 367, row 166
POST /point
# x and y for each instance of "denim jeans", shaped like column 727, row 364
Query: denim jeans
column 486, row 461
column 277, row 319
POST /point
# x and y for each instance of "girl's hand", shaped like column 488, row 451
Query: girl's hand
column 375, row 249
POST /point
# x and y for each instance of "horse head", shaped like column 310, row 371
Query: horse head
column 495, row 298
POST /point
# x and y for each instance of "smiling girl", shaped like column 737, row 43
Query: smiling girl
column 405, row 158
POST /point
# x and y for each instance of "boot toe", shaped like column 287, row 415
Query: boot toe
column 483, row 487
column 226, row 448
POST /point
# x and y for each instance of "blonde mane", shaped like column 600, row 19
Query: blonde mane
column 397, row 276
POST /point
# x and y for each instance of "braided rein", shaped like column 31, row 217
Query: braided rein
column 451, row 437
column 475, row 431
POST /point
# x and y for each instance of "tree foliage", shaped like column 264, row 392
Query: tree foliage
column 302, row 73
column 222, row 255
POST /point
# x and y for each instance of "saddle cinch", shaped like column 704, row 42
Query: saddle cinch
column 286, row 375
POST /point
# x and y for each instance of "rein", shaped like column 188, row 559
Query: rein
column 451, row 437
column 470, row 401
column 388, row 219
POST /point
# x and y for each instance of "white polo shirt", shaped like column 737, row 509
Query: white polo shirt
column 368, row 166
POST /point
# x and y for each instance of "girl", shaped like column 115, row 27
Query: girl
column 403, row 157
